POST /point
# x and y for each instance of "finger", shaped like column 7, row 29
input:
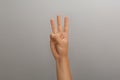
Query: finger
column 53, row 26
column 59, row 24
column 66, row 24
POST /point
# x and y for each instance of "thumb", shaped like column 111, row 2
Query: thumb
column 55, row 37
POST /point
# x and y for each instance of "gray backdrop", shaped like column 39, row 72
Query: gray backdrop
column 94, row 37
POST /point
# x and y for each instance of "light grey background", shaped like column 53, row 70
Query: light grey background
column 94, row 37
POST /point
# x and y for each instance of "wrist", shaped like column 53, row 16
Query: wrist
column 62, row 59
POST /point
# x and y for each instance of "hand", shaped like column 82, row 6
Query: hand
column 59, row 38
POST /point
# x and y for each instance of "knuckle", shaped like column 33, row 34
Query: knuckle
column 59, row 25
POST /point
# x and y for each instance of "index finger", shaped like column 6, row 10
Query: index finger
column 53, row 25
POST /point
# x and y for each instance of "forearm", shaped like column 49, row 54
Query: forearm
column 63, row 69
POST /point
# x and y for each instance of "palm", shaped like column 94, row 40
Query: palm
column 63, row 36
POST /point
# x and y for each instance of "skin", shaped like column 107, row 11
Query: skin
column 59, row 48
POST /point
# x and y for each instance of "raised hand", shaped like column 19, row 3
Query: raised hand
column 59, row 38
